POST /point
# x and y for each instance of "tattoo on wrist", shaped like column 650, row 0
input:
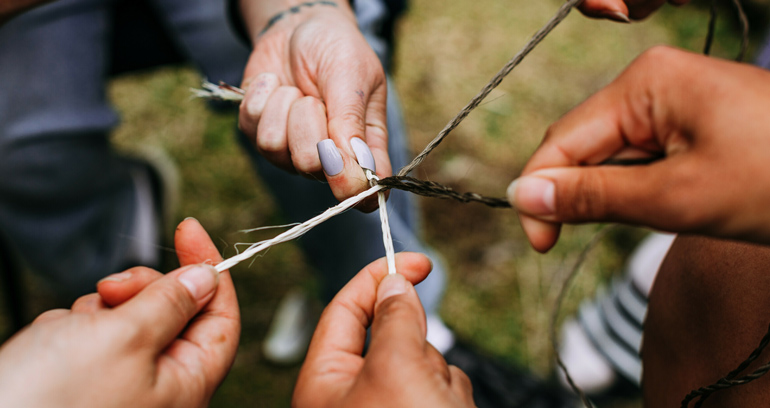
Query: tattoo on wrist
column 294, row 10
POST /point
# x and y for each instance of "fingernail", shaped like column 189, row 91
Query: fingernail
column 330, row 156
column 533, row 195
column 363, row 154
column 192, row 218
column 199, row 280
column 117, row 277
column 391, row 285
column 617, row 16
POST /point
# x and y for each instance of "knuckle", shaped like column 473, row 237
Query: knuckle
column 584, row 199
column 394, row 309
column 311, row 102
column 266, row 80
column 550, row 132
column 656, row 57
column 271, row 141
column 385, row 369
column 245, row 123
column 176, row 301
column 306, row 162
column 131, row 335
column 88, row 302
column 142, row 270
column 676, row 210
column 352, row 114
column 460, row 377
column 290, row 92
column 376, row 131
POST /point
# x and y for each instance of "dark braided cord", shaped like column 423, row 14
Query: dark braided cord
column 729, row 380
column 712, row 28
column 573, row 272
column 433, row 189
column 744, row 29
column 560, row 15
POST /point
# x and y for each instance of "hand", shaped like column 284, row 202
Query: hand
column 169, row 342
column 312, row 77
column 624, row 10
column 400, row 369
column 711, row 129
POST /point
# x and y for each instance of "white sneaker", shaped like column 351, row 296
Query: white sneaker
column 292, row 328
column 156, row 186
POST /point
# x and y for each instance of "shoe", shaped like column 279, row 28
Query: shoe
column 600, row 347
column 590, row 370
column 292, row 328
column 156, row 187
column 499, row 386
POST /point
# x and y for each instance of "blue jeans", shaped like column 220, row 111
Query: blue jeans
column 67, row 201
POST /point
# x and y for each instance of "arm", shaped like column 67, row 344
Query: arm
column 311, row 79
column 710, row 128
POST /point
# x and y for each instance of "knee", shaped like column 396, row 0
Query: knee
column 63, row 167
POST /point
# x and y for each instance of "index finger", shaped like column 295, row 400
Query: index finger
column 215, row 331
column 613, row 123
column 594, row 131
column 199, row 357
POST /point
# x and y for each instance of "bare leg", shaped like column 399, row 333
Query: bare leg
column 709, row 308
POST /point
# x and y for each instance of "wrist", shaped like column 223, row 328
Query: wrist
column 261, row 17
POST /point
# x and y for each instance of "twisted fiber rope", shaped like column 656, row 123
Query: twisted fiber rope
column 712, row 28
column 433, row 189
column 744, row 29
column 557, row 308
column 742, row 18
column 729, row 380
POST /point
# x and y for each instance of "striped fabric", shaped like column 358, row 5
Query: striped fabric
column 614, row 320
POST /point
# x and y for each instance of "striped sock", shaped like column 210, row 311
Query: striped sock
column 613, row 322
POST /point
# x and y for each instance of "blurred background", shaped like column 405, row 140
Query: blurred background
column 501, row 292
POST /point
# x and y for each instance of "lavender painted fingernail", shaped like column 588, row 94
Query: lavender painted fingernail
column 363, row 154
column 331, row 159
column 617, row 16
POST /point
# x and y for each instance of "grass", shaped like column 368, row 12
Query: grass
column 500, row 292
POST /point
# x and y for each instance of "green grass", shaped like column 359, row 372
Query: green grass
column 500, row 292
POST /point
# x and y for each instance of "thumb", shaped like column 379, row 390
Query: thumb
column 654, row 195
column 165, row 307
column 399, row 324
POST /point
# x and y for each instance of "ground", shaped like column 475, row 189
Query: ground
column 501, row 292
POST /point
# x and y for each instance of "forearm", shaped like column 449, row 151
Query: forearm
column 257, row 14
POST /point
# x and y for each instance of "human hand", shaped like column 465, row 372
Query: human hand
column 313, row 78
column 710, row 128
column 169, row 341
column 400, row 369
column 624, row 10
